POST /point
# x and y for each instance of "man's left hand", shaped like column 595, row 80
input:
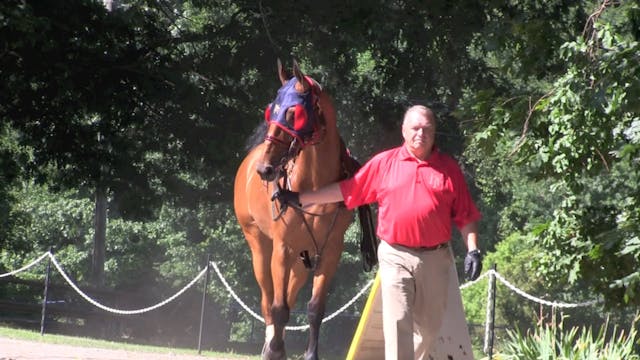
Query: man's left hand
column 286, row 198
column 473, row 264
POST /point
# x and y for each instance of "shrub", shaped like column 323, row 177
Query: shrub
column 551, row 342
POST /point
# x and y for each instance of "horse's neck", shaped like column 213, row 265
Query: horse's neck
column 320, row 164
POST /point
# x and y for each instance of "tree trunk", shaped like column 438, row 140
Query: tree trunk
column 99, row 237
column 100, row 213
column 109, row 4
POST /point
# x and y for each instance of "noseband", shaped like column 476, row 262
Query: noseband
column 294, row 149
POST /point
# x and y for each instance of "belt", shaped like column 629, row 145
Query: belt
column 432, row 248
column 425, row 248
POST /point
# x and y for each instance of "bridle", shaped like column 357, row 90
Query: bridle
column 303, row 131
column 297, row 115
column 294, row 149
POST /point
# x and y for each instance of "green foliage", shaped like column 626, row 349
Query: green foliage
column 553, row 342
column 516, row 259
column 575, row 132
column 125, row 267
column 51, row 219
column 512, row 258
column 121, row 101
column 10, row 156
column 153, row 101
column 580, row 124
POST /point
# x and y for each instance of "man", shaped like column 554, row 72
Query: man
column 420, row 192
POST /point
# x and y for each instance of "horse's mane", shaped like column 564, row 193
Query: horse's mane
column 329, row 110
column 257, row 137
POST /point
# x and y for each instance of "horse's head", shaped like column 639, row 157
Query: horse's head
column 293, row 119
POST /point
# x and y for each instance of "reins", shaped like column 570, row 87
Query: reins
column 304, row 255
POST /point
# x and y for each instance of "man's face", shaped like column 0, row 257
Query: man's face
column 419, row 132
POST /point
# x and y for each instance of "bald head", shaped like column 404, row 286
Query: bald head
column 422, row 111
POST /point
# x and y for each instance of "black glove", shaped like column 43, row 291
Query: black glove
column 286, row 198
column 473, row 264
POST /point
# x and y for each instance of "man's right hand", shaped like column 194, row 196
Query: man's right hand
column 286, row 198
column 473, row 264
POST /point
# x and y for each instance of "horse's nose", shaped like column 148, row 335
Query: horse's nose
column 267, row 172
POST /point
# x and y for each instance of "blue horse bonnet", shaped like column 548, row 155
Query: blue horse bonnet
column 304, row 122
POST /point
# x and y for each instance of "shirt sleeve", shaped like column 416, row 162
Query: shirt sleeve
column 362, row 188
column 464, row 210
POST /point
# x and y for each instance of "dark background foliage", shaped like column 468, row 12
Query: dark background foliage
column 150, row 104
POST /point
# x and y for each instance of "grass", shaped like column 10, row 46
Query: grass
column 29, row 335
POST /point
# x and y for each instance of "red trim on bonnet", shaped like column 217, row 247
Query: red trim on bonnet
column 299, row 118
column 267, row 113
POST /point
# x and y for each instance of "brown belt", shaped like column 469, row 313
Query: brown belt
column 426, row 248
column 432, row 248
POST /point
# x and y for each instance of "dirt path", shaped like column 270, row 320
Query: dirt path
column 12, row 349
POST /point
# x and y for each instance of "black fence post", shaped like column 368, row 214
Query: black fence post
column 46, row 293
column 204, row 302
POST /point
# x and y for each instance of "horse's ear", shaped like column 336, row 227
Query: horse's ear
column 282, row 73
column 300, row 76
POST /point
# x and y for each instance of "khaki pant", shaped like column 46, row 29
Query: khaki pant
column 414, row 286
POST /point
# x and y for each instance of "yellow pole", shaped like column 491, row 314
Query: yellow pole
column 364, row 319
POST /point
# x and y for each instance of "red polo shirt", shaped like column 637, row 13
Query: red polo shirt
column 417, row 200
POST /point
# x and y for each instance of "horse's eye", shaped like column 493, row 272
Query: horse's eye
column 290, row 117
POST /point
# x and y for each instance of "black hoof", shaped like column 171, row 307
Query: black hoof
column 273, row 352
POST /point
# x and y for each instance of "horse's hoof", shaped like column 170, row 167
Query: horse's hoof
column 280, row 355
column 269, row 354
column 311, row 356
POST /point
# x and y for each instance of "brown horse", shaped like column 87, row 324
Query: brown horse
column 302, row 150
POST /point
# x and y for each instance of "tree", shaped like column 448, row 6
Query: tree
column 12, row 157
column 575, row 127
column 114, row 110
column 154, row 100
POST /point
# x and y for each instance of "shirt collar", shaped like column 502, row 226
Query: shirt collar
column 404, row 154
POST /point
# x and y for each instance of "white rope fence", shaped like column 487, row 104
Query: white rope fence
column 539, row 300
column 253, row 313
column 118, row 311
column 301, row 327
column 26, row 267
column 177, row 294
column 468, row 284
column 94, row 302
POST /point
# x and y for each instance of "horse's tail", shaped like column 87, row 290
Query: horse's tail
column 368, row 240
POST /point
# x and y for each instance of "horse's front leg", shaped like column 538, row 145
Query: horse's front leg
column 315, row 314
column 274, row 349
column 261, row 249
column 316, row 306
